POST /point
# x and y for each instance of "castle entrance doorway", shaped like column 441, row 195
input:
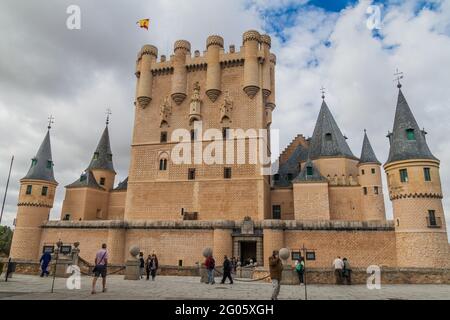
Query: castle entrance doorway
column 248, row 252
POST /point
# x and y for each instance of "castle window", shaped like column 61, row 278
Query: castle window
column 373, row 170
column 29, row 189
column 328, row 137
column 432, row 217
column 180, row 263
column 398, row 223
column 109, row 157
column 410, row 134
column 225, row 133
column 83, row 177
column 365, row 191
column 44, row 191
column 102, row 181
column 363, row 172
column 376, row 190
column 276, row 211
column 49, row 164
column 66, row 217
column 403, row 175
column 33, row 162
column 191, row 174
column 227, row 173
column 309, row 171
column 163, row 164
column 96, row 155
column 163, row 138
column 427, row 174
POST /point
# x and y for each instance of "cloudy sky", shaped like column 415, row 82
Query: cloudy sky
column 75, row 75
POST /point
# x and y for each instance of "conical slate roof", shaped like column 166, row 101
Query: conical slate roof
column 42, row 164
column 402, row 147
column 86, row 180
column 327, row 139
column 122, row 185
column 367, row 153
column 102, row 158
column 303, row 176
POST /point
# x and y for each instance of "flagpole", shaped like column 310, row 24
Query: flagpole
column 6, row 190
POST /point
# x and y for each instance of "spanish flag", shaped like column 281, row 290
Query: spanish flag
column 143, row 23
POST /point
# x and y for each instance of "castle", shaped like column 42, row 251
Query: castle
column 323, row 197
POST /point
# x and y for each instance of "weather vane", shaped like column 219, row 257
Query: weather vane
column 50, row 122
column 108, row 113
column 398, row 76
column 323, row 92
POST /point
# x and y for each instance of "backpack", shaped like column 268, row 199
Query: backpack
column 299, row 267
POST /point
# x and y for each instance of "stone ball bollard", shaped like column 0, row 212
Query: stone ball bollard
column 134, row 251
column 207, row 252
column 284, row 254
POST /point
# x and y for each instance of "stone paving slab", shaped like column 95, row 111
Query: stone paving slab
column 171, row 287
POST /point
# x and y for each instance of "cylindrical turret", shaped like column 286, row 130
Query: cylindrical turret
column 147, row 57
column 251, row 40
column 213, row 73
column 266, row 79
column 372, row 198
column 179, row 78
column 271, row 98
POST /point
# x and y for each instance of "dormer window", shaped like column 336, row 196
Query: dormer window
column 83, row 177
column 410, row 135
column 33, row 162
column 328, row 137
column 109, row 157
column 96, row 155
column 49, row 164
column 309, row 171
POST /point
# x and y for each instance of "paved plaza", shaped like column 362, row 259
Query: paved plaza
column 172, row 287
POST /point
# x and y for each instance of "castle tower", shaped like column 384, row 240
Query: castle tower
column 415, row 190
column 87, row 197
column 372, row 200
column 36, row 196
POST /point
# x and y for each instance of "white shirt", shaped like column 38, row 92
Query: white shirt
column 338, row 264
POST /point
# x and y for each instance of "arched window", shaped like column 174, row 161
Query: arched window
column 163, row 164
column 328, row 137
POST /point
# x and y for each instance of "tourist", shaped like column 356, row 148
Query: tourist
column 141, row 264
column 147, row 266
column 300, row 269
column 347, row 272
column 44, row 261
column 153, row 265
column 233, row 264
column 227, row 266
column 275, row 269
column 338, row 265
column 101, row 262
column 210, row 264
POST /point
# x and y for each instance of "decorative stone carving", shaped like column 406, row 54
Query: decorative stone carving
column 226, row 108
column 247, row 226
column 195, row 105
column 165, row 111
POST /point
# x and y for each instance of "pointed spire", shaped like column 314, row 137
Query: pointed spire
column 42, row 164
column 407, row 139
column 102, row 158
column 367, row 153
column 327, row 139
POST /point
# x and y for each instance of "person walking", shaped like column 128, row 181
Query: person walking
column 338, row 265
column 300, row 269
column 101, row 262
column 347, row 272
column 275, row 270
column 153, row 266
column 141, row 264
column 45, row 261
column 210, row 264
column 227, row 267
column 147, row 266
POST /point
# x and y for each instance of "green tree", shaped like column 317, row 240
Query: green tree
column 6, row 235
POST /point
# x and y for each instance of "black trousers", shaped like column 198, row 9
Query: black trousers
column 300, row 276
column 227, row 274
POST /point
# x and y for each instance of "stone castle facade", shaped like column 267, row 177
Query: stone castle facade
column 323, row 197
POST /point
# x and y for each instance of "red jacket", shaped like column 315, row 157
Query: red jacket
column 210, row 263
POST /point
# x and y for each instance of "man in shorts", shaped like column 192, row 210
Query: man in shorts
column 101, row 261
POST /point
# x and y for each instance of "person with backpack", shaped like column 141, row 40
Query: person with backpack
column 141, row 264
column 153, row 265
column 101, row 262
column 210, row 264
column 300, row 269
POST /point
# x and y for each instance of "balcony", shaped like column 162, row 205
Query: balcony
column 434, row 223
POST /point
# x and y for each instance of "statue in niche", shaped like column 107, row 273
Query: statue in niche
column 165, row 111
column 226, row 108
column 195, row 105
